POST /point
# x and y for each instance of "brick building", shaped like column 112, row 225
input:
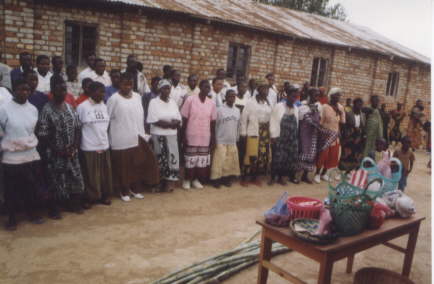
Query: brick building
column 242, row 36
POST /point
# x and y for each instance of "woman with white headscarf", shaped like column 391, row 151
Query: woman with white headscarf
column 332, row 116
column 165, row 120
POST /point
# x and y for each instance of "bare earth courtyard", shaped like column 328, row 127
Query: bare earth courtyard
column 141, row 241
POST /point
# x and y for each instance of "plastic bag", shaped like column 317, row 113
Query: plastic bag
column 280, row 208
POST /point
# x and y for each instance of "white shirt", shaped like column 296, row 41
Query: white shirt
column 95, row 122
column 126, row 121
column 253, row 114
column 272, row 95
column 217, row 98
column 178, row 93
column 19, row 142
column 86, row 73
column 5, row 95
column 165, row 111
column 43, row 82
column 243, row 102
column 103, row 79
column 357, row 120
column 278, row 112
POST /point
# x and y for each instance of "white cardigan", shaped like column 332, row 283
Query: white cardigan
column 249, row 122
column 276, row 117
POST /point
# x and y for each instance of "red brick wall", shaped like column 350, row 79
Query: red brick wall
column 199, row 47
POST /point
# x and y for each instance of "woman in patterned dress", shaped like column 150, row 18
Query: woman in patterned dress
column 284, row 139
column 59, row 133
column 164, row 119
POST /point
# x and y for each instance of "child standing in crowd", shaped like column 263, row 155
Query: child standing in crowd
column 225, row 164
column 36, row 98
column 85, row 84
column 165, row 120
column 96, row 161
column 133, row 161
column 59, row 135
column 44, row 74
column 255, row 130
column 73, row 86
column 199, row 115
column 115, row 77
column 406, row 156
column 20, row 158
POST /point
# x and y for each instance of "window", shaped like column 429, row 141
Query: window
column 319, row 69
column 238, row 60
column 80, row 41
column 392, row 84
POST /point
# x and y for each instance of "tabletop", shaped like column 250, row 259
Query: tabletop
column 390, row 226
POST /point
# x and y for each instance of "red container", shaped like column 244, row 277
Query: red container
column 304, row 207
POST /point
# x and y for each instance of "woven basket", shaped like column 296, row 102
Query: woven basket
column 350, row 218
column 372, row 275
column 389, row 184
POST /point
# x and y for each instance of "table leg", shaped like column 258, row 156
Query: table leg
column 325, row 271
column 265, row 254
column 350, row 262
column 409, row 252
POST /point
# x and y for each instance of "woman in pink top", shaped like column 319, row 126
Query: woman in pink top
column 332, row 115
column 198, row 128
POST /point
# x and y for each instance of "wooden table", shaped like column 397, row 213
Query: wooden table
column 346, row 247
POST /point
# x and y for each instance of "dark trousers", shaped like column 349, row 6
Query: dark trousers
column 20, row 186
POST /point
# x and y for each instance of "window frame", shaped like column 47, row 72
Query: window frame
column 317, row 74
column 248, row 50
column 81, row 61
column 392, row 84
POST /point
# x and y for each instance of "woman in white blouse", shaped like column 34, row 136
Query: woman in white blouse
column 133, row 161
column 255, row 130
column 165, row 120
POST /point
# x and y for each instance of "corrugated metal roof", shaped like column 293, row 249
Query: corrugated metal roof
column 285, row 21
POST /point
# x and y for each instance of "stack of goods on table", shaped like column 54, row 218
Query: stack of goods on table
column 360, row 200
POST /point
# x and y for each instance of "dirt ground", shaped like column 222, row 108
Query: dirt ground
column 143, row 240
